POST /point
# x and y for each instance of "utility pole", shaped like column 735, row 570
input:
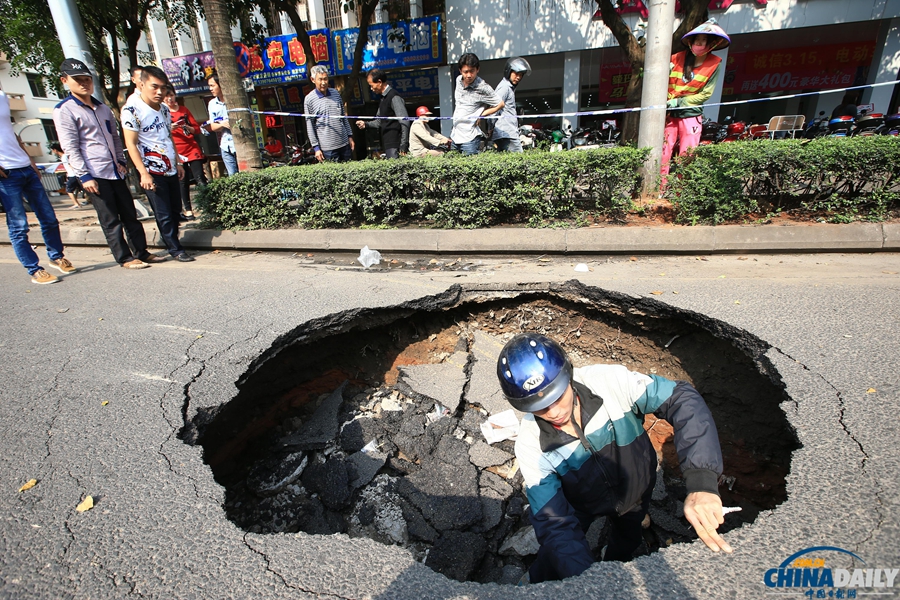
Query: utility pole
column 656, row 84
column 70, row 30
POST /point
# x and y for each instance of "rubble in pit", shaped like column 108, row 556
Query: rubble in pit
column 408, row 465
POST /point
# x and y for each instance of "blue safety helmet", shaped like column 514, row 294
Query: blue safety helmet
column 534, row 371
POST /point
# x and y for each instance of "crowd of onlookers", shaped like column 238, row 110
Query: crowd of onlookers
column 160, row 138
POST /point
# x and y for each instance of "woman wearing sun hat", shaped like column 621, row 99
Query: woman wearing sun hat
column 693, row 75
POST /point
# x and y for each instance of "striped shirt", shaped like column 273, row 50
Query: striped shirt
column 324, row 130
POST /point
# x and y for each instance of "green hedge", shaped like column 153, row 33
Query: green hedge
column 454, row 191
column 836, row 179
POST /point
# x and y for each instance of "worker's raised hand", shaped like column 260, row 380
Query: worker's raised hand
column 704, row 512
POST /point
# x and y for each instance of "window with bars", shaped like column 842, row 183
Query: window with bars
column 333, row 14
column 196, row 40
column 50, row 130
column 37, row 85
column 173, row 40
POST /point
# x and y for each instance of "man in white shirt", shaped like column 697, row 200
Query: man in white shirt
column 218, row 123
column 148, row 136
column 20, row 176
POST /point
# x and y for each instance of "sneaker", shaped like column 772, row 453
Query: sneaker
column 153, row 259
column 135, row 264
column 185, row 257
column 63, row 265
column 42, row 277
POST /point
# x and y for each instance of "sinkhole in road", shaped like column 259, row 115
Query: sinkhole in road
column 369, row 422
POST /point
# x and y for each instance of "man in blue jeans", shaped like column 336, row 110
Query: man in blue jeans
column 473, row 99
column 147, row 126
column 20, row 176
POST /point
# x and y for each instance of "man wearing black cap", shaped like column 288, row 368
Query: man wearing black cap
column 87, row 130
column 20, row 176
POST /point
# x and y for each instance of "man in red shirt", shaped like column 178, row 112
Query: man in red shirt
column 274, row 147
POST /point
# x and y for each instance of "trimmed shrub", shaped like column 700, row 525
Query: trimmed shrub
column 454, row 191
column 838, row 179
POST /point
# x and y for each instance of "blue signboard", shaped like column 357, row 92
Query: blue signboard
column 282, row 59
column 412, row 43
column 412, row 84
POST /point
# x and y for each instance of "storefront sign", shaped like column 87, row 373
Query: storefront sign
column 282, row 59
column 188, row 74
column 794, row 69
column 406, row 44
column 614, row 78
column 411, row 84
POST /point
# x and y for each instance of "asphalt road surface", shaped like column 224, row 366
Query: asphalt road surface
column 92, row 394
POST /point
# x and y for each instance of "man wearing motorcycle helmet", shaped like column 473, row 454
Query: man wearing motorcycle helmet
column 423, row 140
column 583, row 452
column 506, row 131
column 693, row 76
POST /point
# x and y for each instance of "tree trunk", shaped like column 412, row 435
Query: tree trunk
column 302, row 35
column 230, row 80
column 367, row 9
column 694, row 13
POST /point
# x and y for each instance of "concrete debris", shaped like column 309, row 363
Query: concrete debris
column 457, row 554
column 522, row 543
column 482, row 455
column 270, row 476
column 483, row 389
column 408, row 465
column 365, row 466
column 442, row 383
column 322, row 427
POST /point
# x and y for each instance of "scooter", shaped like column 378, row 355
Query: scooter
column 817, row 127
column 891, row 125
column 841, row 126
column 712, row 132
column 735, row 131
column 868, row 124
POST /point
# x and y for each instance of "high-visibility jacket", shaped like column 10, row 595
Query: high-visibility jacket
column 692, row 94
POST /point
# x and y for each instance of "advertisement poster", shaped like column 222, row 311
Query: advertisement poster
column 188, row 73
column 797, row 69
column 410, row 43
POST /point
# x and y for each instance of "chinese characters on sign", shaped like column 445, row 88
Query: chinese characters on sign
column 794, row 69
column 188, row 73
column 410, row 43
column 281, row 59
column 767, row 71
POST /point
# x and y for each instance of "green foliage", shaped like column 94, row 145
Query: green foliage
column 454, row 191
column 836, row 179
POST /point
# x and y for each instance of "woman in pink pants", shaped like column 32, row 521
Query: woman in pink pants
column 693, row 76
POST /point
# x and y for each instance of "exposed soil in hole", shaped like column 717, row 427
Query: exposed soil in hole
column 390, row 456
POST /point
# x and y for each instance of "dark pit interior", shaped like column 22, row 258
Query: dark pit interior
column 368, row 423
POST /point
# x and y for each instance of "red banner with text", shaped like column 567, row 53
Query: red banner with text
column 767, row 71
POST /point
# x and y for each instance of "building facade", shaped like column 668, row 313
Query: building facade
column 780, row 48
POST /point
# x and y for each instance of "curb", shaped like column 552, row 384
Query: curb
column 722, row 239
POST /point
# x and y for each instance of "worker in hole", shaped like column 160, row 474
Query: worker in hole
column 583, row 452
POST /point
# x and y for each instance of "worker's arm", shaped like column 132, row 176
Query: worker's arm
column 699, row 452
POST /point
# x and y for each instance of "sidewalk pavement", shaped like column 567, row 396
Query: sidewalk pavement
column 670, row 239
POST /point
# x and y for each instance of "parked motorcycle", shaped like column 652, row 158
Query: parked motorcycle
column 868, row 124
column 817, row 127
column 735, row 131
column 841, row 126
column 712, row 132
column 891, row 125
